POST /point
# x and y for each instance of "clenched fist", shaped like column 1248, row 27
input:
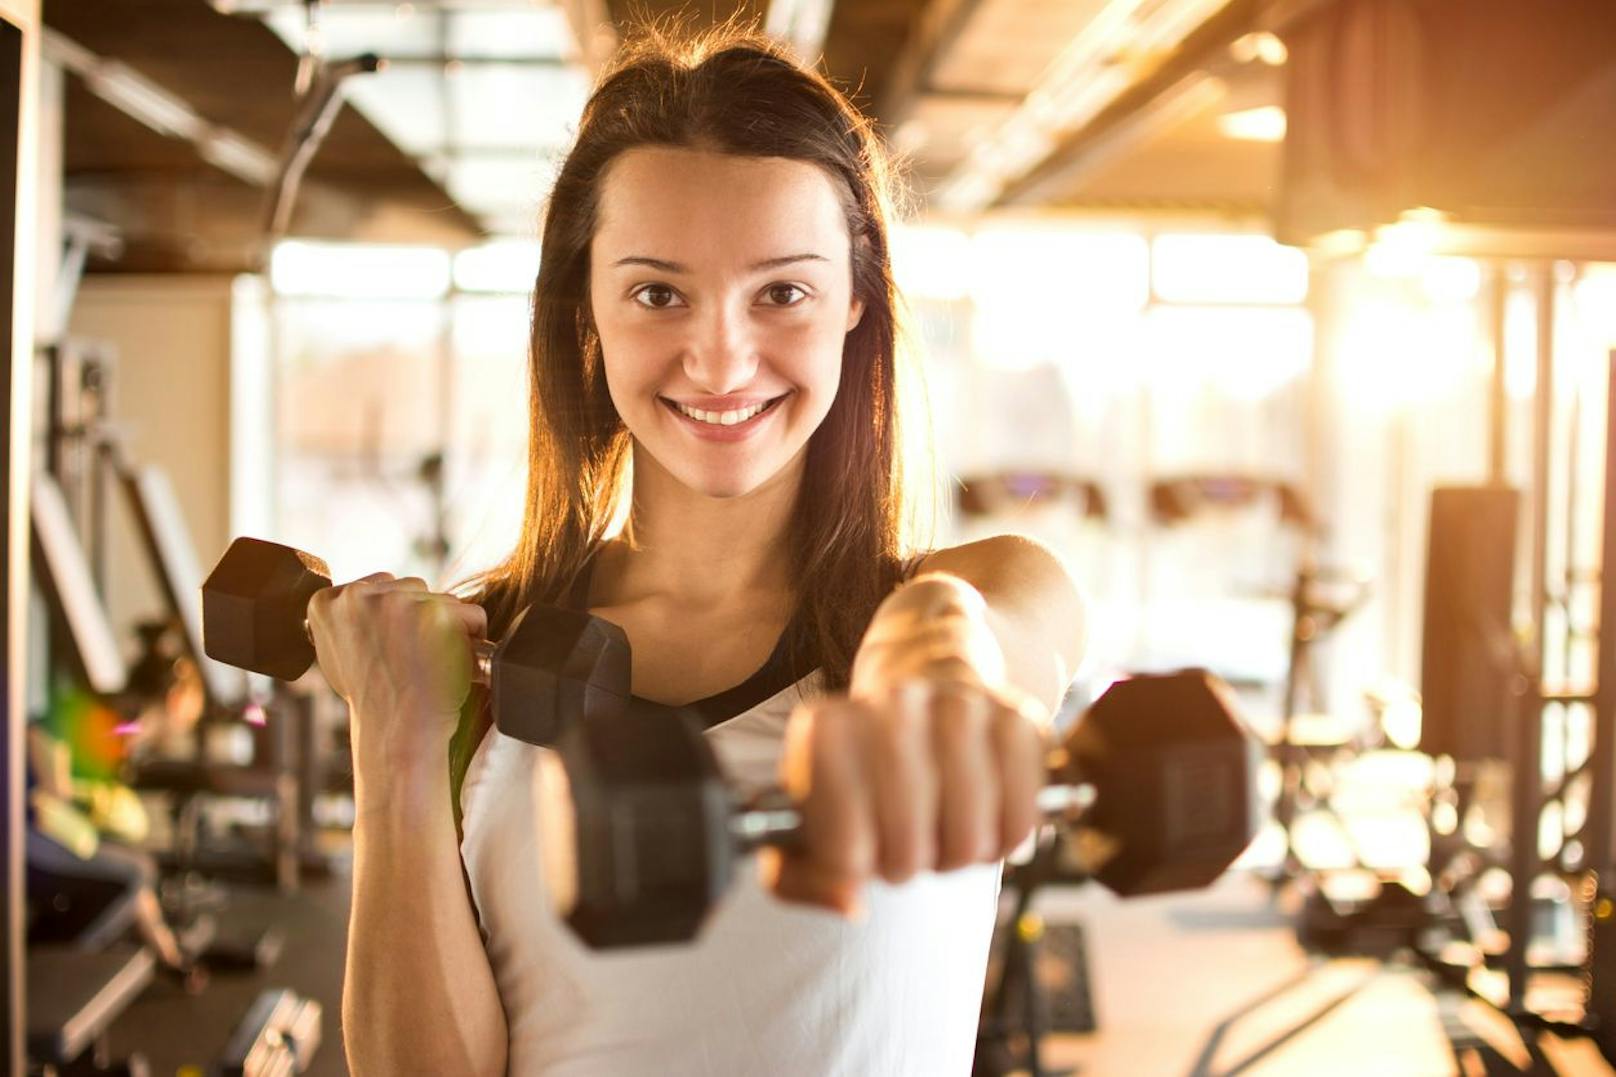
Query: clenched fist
column 401, row 656
column 921, row 774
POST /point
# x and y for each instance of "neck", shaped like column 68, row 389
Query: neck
column 700, row 552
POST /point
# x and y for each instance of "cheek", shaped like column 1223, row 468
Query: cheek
column 629, row 358
column 813, row 352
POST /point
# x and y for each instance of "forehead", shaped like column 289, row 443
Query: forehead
column 689, row 204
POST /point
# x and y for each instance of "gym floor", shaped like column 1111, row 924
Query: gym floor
column 1202, row 984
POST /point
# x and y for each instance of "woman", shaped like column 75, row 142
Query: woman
column 713, row 353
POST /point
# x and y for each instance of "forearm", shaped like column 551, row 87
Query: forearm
column 419, row 995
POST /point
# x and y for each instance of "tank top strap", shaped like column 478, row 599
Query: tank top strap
column 789, row 662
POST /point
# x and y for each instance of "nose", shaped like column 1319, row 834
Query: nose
column 721, row 354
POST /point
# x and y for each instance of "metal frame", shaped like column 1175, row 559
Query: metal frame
column 19, row 65
column 1529, row 799
column 1602, row 799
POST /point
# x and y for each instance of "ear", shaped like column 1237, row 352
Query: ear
column 855, row 313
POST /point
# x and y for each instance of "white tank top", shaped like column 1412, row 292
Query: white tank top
column 768, row 987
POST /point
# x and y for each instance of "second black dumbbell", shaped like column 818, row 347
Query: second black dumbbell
column 1154, row 790
column 552, row 666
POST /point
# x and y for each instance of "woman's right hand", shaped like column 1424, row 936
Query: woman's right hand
column 400, row 655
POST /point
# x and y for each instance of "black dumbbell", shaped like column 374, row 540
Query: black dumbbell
column 1154, row 789
column 552, row 665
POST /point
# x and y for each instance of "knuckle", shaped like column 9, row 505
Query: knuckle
column 900, row 867
column 895, row 731
column 854, row 857
column 953, row 855
column 1016, row 829
column 957, row 718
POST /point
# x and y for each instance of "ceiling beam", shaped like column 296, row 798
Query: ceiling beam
column 1140, row 108
column 939, row 29
column 152, row 106
column 593, row 30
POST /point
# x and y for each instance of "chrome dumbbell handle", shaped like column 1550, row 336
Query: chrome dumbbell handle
column 771, row 817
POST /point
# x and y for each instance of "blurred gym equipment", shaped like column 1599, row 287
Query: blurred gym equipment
column 1307, row 744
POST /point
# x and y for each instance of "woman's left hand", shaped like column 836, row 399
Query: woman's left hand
column 919, row 774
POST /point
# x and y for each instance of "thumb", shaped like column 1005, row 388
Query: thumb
column 794, row 878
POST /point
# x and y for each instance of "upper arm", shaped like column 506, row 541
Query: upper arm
column 1034, row 608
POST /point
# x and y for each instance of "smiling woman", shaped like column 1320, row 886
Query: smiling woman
column 717, row 238
column 713, row 366
column 735, row 343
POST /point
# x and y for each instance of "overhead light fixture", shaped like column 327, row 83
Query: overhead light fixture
column 1263, row 47
column 1265, row 124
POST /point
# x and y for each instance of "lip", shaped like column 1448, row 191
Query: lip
column 737, row 432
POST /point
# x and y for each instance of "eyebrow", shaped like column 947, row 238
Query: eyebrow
column 674, row 267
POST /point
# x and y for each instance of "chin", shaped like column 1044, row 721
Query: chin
column 724, row 489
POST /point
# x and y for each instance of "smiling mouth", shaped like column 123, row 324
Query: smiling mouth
column 723, row 418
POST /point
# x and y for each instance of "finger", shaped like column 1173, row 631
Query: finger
column 473, row 616
column 821, row 771
column 362, row 583
column 903, row 784
column 469, row 616
column 968, row 817
column 1019, row 748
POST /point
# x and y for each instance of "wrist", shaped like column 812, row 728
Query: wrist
column 934, row 627
column 399, row 760
column 403, row 796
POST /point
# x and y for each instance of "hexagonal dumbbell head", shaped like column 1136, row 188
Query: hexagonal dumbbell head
column 554, row 667
column 1174, row 775
column 254, row 604
column 635, row 828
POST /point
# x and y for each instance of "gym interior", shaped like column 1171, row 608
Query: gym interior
column 1290, row 325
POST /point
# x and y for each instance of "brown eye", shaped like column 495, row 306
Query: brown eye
column 657, row 296
column 785, row 295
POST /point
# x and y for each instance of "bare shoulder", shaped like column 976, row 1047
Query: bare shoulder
column 1011, row 567
column 1034, row 605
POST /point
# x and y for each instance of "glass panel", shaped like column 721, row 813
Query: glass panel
column 299, row 267
column 360, row 417
column 931, row 263
column 515, row 105
column 405, row 104
column 507, row 265
column 491, row 184
column 542, row 32
column 488, row 427
column 1227, row 269
column 395, row 32
column 1028, row 285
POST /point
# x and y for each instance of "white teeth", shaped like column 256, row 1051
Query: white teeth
column 724, row 418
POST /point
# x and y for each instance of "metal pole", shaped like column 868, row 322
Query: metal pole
column 1602, row 796
column 19, row 65
column 1498, row 397
column 1527, row 799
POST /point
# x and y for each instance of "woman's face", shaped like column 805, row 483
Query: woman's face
column 721, row 288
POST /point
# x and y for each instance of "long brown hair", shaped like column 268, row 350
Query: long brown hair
column 733, row 91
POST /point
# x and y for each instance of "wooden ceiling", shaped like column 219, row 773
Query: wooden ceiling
column 177, row 211
column 938, row 75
